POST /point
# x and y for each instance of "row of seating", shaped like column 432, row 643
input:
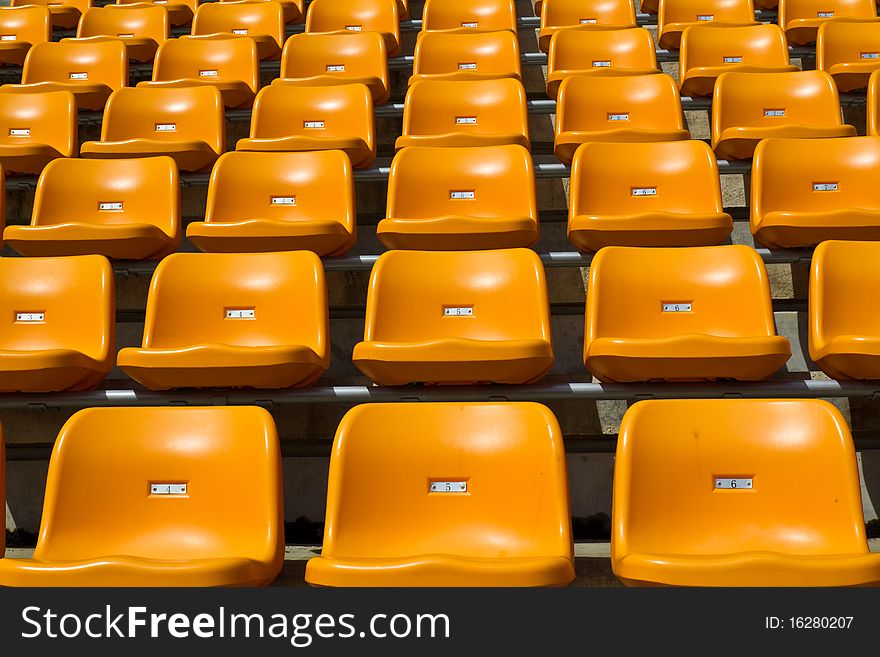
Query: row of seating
column 461, row 317
column 480, row 499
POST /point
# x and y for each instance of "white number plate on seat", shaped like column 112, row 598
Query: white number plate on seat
column 732, row 483
column 449, row 487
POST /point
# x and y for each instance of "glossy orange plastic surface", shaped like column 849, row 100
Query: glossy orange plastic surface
column 186, row 123
column 849, row 51
column 801, row 18
column 313, row 60
column 21, row 28
column 447, row 199
column 409, row 532
column 844, row 333
column 294, row 10
column 119, row 209
column 230, row 65
column 673, row 454
column 665, row 314
column 142, row 28
column 279, row 202
column 291, row 118
column 180, row 12
column 129, row 532
column 465, row 113
column 263, row 22
column 707, row 52
column 805, row 191
column 90, row 70
column 749, row 107
column 469, row 15
column 559, row 15
column 456, row 317
column 59, row 323
column 589, row 53
column 674, row 16
column 466, row 56
column 65, row 13
column 629, row 108
column 35, row 129
column 382, row 16
column 660, row 194
column 233, row 320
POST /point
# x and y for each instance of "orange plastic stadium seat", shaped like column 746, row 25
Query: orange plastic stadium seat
column 118, row 209
column 186, row 123
column 448, row 199
column 21, row 28
column 465, row 113
column 844, row 326
column 471, row 56
column 873, row 105
column 294, row 10
column 630, row 108
column 584, row 15
column 749, row 107
column 230, row 65
column 233, row 320
column 263, row 22
column 585, row 53
column 142, row 28
column 456, row 317
column 653, row 194
column 849, row 52
column 382, row 16
column 710, row 492
column 35, row 129
column 469, row 15
column 677, row 322
column 172, row 514
column 180, row 12
column 291, row 118
column 399, row 533
column 279, row 202
column 674, row 16
column 59, row 331
column 801, row 18
column 806, row 191
column 707, row 52
column 90, row 70
column 313, row 60
column 65, row 13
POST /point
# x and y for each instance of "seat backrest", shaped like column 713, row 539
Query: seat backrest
column 238, row 299
column 806, row 175
column 657, row 283
column 479, row 52
column 77, row 61
column 359, row 54
column 354, row 16
column 125, row 21
column 82, row 5
column 790, row 10
column 469, row 14
column 481, row 446
column 572, row 50
column 109, row 192
column 416, row 296
column 58, row 303
column 332, row 111
column 491, row 181
column 479, row 107
column 671, row 455
column 106, row 496
column 629, row 179
column 588, row 12
column 252, row 18
column 847, row 42
column 704, row 11
column 702, row 45
column 612, row 102
column 166, row 114
column 772, row 99
column 208, row 59
column 44, row 118
column 304, row 186
column 31, row 24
